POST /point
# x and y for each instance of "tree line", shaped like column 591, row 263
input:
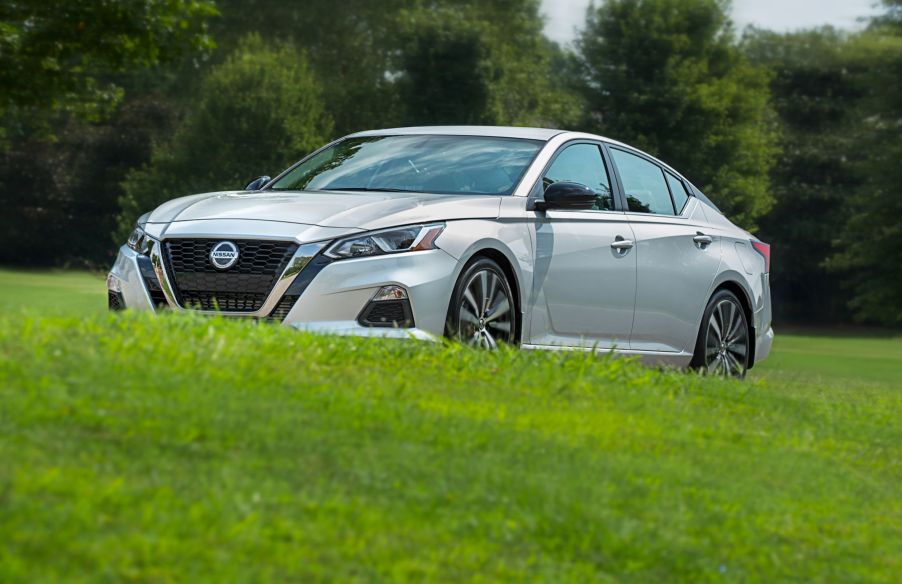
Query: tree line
column 109, row 109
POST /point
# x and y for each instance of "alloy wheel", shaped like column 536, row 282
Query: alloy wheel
column 726, row 340
column 485, row 314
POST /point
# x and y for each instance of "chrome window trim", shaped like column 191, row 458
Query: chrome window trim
column 298, row 262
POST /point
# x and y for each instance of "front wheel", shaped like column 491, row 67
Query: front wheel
column 722, row 347
column 482, row 311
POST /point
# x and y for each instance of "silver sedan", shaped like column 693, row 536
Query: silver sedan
column 544, row 239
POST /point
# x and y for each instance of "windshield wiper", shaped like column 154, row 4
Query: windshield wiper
column 370, row 189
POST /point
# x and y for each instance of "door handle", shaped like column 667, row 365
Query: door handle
column 701, row 240
column 622, row 245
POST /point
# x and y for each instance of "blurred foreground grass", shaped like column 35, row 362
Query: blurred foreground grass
column 180, row 449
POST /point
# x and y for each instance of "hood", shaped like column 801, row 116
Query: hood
column 350, row 210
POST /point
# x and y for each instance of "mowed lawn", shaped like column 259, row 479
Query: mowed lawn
column 180, row 449
column 55, row 292
column 857, row 360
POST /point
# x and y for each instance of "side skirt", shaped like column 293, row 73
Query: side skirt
column 681, row 359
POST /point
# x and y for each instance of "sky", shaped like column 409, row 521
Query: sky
column 564, row 16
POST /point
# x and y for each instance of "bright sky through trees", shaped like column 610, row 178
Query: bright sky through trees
column 781, row 15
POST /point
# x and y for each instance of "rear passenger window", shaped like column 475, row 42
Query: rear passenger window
column 680, row 196
column 643, row 183
column 582, row 163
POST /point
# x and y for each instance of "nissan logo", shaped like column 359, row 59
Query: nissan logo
column 224, row 255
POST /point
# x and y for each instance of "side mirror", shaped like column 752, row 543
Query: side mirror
column 257, row 183
column 567, row 196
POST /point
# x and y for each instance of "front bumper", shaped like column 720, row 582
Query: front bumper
column 332, row 294
column 125, row 279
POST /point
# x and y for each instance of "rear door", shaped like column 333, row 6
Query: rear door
column 584, row 289
column 677, row 256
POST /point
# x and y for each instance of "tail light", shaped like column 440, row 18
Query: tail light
column 764, row 250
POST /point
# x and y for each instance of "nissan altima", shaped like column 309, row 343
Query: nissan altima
column 543, row 239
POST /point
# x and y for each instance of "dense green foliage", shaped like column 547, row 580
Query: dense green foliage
column 870, row 246
column 261, row 110
column 664, row 75
column 60, row 198
column 372, row 56
column 486, row 66
column 349, row 46
column 444, row 59
column 60, row 56
column 793, row 135
column 816, row 88
column 178, row 448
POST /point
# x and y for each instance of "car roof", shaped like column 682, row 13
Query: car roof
column 542, row 134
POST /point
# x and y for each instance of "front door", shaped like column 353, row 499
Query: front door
column 584, row 289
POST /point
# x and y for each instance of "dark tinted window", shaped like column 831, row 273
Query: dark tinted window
column 582, row 163
column 643, row 183
column 680, row 196
column 455, row 165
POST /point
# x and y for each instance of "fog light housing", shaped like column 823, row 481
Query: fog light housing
column 389, row 308
column 390, row 293
column 113, row 284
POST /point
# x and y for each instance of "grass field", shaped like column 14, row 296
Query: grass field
column 184, row 449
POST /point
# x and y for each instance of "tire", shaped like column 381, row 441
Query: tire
column 719, row 353
column 482, row 311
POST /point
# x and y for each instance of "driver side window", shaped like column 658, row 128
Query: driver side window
column 582, row 163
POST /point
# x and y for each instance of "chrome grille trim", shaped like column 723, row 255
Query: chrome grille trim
column 298, row 261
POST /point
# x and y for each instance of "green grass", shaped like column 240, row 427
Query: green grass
column 858, row 360
column 57, row 292
column 183, row 449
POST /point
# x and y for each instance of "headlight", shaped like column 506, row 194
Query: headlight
column 395, row 240
column 139, row 242
column 136, row 239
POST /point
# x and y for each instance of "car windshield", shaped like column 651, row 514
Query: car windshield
column 455, row 165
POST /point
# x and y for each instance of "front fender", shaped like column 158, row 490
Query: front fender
column 464, row 240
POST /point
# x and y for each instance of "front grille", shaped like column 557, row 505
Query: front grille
column 242, row 288
column 152, row 283
column 283, row 307
column 158, row 299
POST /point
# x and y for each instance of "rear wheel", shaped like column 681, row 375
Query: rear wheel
column 722, row 347
column 482, row 311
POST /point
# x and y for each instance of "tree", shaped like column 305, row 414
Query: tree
column 60, row 197
column 869, row 248
column 372, row 57
column 63, row 56
column 446, row 75
column 665, row 76
column 817, row 89
column 467, row 62
column 256, row 113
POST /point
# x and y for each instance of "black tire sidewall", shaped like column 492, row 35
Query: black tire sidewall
column 452, row 322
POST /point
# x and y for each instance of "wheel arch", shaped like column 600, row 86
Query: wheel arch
column 507, row 266
column 745, row 300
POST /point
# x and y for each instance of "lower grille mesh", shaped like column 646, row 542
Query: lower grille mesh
column 284, row 307
column 157, row 298
column 387, row 313
column 242, row 288
column 115, row 301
